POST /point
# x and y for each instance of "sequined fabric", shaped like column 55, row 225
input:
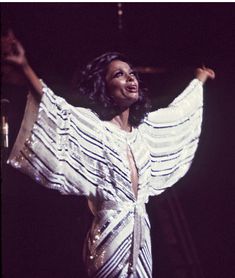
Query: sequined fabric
column 71, row 150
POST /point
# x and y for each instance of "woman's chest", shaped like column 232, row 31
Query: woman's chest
column 128, row 155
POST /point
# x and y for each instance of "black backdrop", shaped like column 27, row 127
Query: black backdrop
column 42, row 232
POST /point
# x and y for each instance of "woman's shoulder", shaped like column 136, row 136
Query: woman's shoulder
column 87, row 114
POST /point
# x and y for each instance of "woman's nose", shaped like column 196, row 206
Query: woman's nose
column 130, row 77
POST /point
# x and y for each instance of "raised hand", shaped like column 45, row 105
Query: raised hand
column 13, row 53
column 204, row 73
column 12, row 50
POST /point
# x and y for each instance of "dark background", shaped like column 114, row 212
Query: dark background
column 42, row 232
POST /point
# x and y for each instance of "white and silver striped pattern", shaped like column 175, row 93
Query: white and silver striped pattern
column 70, row 149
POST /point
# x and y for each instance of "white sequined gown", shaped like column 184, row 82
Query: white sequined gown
column 70, row 149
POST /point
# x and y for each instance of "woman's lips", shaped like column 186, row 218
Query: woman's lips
column 132, row 88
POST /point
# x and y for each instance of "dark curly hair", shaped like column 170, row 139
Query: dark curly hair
column 92, row 92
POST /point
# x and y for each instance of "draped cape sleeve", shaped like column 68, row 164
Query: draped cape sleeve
column 58, row 145
column 172, row 135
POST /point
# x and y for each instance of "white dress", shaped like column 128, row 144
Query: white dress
column 70, row 149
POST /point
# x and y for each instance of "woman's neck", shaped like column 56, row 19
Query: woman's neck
column 122, row 121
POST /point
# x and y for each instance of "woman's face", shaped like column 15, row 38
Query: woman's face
column 122, row 84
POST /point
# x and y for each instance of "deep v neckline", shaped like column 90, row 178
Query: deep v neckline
column 127, row 137
column 134, row 175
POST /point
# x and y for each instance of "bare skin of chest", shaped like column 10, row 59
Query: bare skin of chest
column 133, row 171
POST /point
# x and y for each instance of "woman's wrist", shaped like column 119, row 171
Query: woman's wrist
column 25, row 65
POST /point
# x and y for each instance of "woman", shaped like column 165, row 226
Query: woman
column 114, row 152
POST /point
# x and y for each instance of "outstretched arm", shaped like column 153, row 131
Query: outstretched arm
column 13, row 53
column 173, row 134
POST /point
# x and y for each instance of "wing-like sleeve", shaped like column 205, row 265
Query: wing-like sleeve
column 172, row 135
column 58, row 145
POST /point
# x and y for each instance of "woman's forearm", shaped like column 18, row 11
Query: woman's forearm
column 13, row 53
column 33, row 81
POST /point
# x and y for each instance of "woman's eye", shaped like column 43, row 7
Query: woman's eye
column 118, row 74
column 133, row 73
